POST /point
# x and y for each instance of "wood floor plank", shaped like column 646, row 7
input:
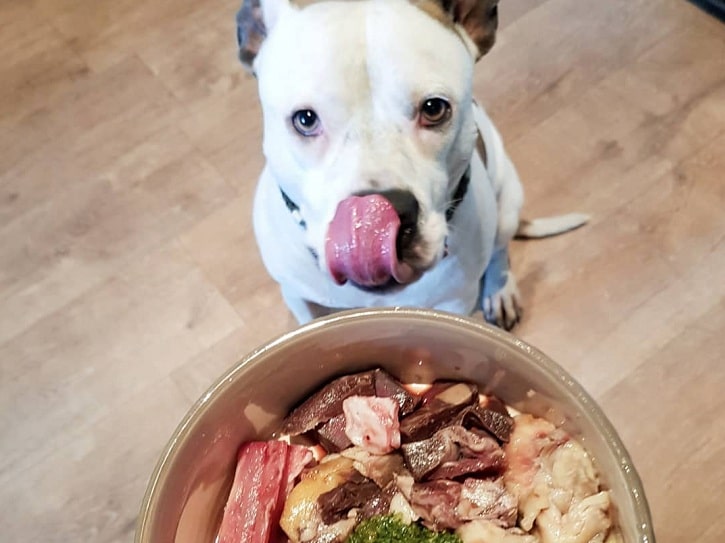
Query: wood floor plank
column 37, row 64
column 96, row 120
column 512, row 10
column 108, row 33
column 171, row 52
column 660, row 105
column 77, row 364
column 214, row 122
column 91, row 488
column 240, row 163
column 196, row 375
column 669, row 244
column 227, row 262
column 665, row 395
column 58, row 250
column 688, row 301
column 36, row 56
column 522, row 87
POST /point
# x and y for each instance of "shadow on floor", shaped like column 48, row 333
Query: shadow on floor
column 716, row 8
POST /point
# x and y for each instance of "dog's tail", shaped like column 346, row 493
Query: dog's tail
column 550, row 226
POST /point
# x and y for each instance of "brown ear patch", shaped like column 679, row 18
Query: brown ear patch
column 479, row 18
column 251, row 32
column 436, row 10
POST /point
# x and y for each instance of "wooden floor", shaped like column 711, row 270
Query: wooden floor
column 129, row 277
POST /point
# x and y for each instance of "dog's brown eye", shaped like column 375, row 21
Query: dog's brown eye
column 434, row 111
column 306, row 122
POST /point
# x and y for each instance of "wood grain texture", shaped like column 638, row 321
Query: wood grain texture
column 130, row 279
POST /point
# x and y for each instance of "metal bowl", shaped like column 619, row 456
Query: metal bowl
column 186, row 493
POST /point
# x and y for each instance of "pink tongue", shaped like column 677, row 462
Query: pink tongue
column 360, row 242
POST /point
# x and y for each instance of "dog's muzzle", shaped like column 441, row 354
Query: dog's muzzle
column 368, row 235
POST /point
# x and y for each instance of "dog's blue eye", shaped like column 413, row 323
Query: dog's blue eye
column 434, row 112
column 306, row 122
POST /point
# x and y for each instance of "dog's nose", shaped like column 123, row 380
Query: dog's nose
column 406, row 206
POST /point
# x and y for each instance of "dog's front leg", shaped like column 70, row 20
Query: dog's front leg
column 500, row 298
column 303, row 310
column 501, row 303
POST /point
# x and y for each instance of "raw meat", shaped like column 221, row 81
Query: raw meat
column 372, row 423
column 265, row 474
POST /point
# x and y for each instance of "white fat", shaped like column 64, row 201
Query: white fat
column 556, row 483
column 400, row 506
column 586, row 521
column 485, row 531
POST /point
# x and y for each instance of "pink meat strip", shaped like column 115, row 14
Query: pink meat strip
column 265, row 474
column 372, row 423
column 298, row 458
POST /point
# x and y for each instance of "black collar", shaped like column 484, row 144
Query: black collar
column 294, row 209
column 460, row 193
column 458, row 196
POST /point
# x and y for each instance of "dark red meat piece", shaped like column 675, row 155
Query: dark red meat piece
column 325, row 405
column 452, row 453
column 449, row 504
column 439, row 408
column 355, row 493
column 493, row 421
column 327, row 402
column 493, row 403
column 332, row 436
column 386, row 386
column 436, row 503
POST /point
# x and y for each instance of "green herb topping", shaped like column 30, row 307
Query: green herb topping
column 391, row 529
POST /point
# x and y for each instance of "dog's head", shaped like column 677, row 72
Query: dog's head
column 368, row 122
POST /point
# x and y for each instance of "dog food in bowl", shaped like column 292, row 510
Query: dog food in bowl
column 367, row 459
column 188, row 489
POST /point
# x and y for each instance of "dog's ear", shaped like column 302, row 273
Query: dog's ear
column 254, row 21
column 479, row 19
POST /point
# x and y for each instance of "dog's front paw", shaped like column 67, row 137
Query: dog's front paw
column 503, row 307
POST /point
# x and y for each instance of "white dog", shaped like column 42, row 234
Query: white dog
column 385, row 184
